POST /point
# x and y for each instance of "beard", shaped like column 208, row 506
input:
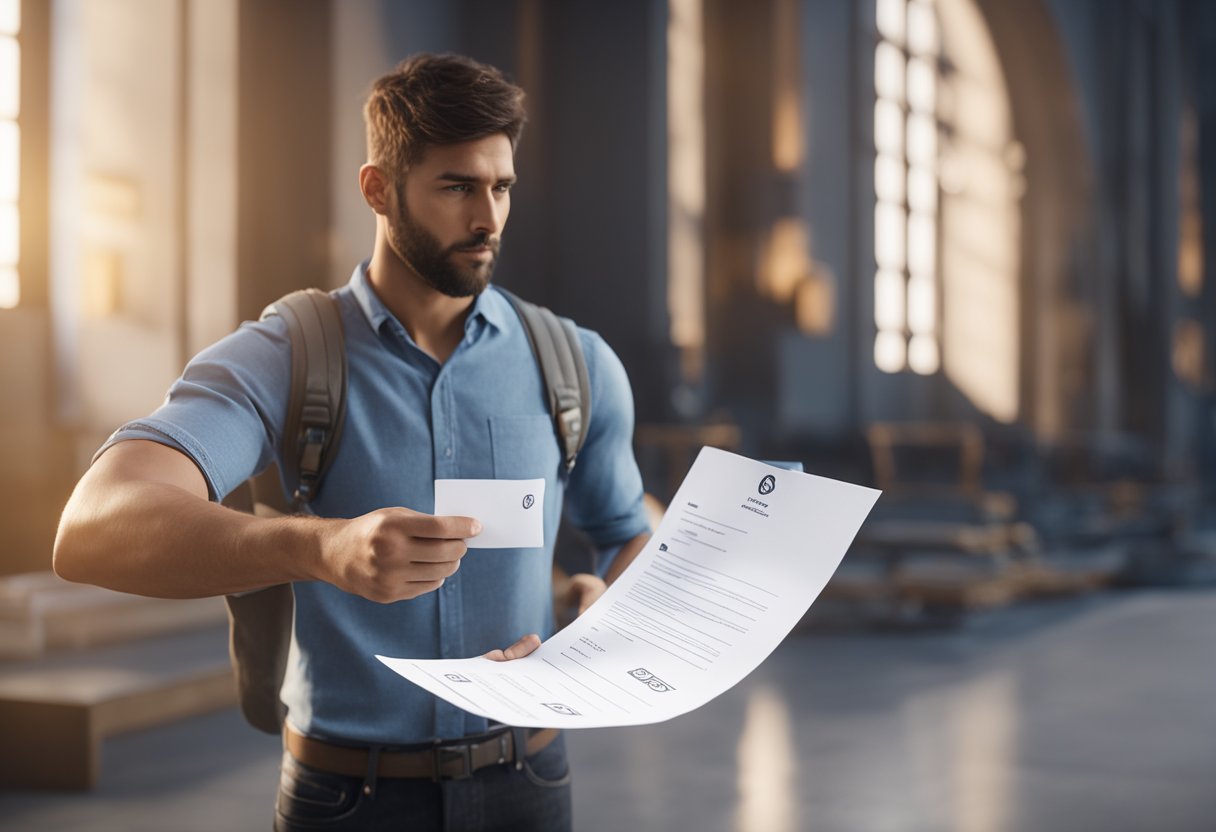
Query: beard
column 441, row 268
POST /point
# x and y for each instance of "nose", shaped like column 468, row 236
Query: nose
column 489, row 213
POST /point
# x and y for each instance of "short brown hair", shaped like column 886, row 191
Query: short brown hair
column 438, row 99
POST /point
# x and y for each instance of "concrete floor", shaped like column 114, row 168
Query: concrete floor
column 1088, row 714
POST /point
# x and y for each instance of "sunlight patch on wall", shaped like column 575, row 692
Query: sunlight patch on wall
column 980, row 220
column 10, row 153
column 686, row 179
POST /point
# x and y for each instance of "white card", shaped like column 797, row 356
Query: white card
column 512, row 512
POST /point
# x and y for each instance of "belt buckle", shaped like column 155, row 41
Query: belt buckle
column 441, row 754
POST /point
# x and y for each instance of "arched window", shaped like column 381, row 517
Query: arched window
column 947, row 183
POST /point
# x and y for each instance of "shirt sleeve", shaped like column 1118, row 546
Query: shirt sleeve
column 227, row 410
column 604, row 495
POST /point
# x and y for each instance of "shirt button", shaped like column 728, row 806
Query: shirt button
column 447, row 452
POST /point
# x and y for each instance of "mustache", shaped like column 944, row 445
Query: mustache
column 478, row 241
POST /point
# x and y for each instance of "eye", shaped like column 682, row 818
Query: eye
column 502, row 187
column 458, row 189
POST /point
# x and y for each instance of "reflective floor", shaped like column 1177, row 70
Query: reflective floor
column 1088, row 714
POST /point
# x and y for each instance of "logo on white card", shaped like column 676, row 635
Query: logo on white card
column 529, row 501
column 768, row 485
column 561, row 709
column 456, row 677
column 653, row 682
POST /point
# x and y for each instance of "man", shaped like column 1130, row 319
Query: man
column 442, row 383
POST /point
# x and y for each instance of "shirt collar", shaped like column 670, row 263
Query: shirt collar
column 491, row 306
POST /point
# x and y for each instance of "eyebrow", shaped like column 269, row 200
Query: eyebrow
column 448, row 176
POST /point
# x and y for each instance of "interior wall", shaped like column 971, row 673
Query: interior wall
column 35, row 459
column 284, row 120
column 368, row 38
column 116, row 267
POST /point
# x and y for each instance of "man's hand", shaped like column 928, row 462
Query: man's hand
column 579, row 592
column 573, row 594
column 517, row 650
column 394, row 554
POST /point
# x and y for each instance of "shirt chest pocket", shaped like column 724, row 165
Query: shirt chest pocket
column 523, row 447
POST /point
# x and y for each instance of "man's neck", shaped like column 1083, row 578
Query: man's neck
column 434, row 320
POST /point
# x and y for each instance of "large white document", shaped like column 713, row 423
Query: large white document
column 738, row 558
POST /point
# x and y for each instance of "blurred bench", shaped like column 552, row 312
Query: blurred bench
column 91, row 663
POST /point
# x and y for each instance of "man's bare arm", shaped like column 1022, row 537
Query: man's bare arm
column 140, row 521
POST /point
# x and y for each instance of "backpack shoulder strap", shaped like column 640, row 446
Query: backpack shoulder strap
column 559, row 353
column 317, row 407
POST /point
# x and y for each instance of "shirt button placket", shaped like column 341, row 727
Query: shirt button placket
column 449, row 719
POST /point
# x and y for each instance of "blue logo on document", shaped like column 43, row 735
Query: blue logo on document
column 768, row 485
column 529, row 501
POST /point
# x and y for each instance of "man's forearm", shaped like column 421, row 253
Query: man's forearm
column 140, row 521
column 151, row 538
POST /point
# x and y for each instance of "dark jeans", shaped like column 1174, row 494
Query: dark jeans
column 535, row 798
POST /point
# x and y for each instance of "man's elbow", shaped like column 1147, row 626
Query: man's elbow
column 63, row 561
column 68, row 556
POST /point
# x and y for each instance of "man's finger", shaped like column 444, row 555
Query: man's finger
column 444, row 527
column 517, row 650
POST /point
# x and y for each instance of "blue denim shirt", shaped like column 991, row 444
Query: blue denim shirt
column 409, row 421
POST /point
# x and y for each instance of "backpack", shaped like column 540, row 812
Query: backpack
column 261, row 621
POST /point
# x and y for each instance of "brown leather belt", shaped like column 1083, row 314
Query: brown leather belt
column 444, row 760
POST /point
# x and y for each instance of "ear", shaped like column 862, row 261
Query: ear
column 376, row 187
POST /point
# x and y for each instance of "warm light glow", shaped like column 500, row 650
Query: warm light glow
column 1187, row 353
column 102, row 283
column 10, row 16
column 815, row 303
column 922, row 355
column 889, row 17
column 888, row 127
column 787, row 132
column 10, row 78
column 922, row 190
column 889, row 72
column 889, row 178
column 767, row 765
column 10, row 153
column 889, row 227
column 922, row 86
column 922, row 306
column 10, row 161
column 686, row 174
column 922, row 139
column 986, row 118
column 788, row 143
column 889, row 351
column 922, row 245
column 922, row 28
column 889, row 300
column 1190, row 217
column 10, row 288
column 785, row 259
column 10, row 235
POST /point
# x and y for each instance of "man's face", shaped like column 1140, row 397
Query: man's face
column 451, row 210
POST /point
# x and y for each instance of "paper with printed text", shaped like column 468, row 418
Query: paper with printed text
column 736, row 561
